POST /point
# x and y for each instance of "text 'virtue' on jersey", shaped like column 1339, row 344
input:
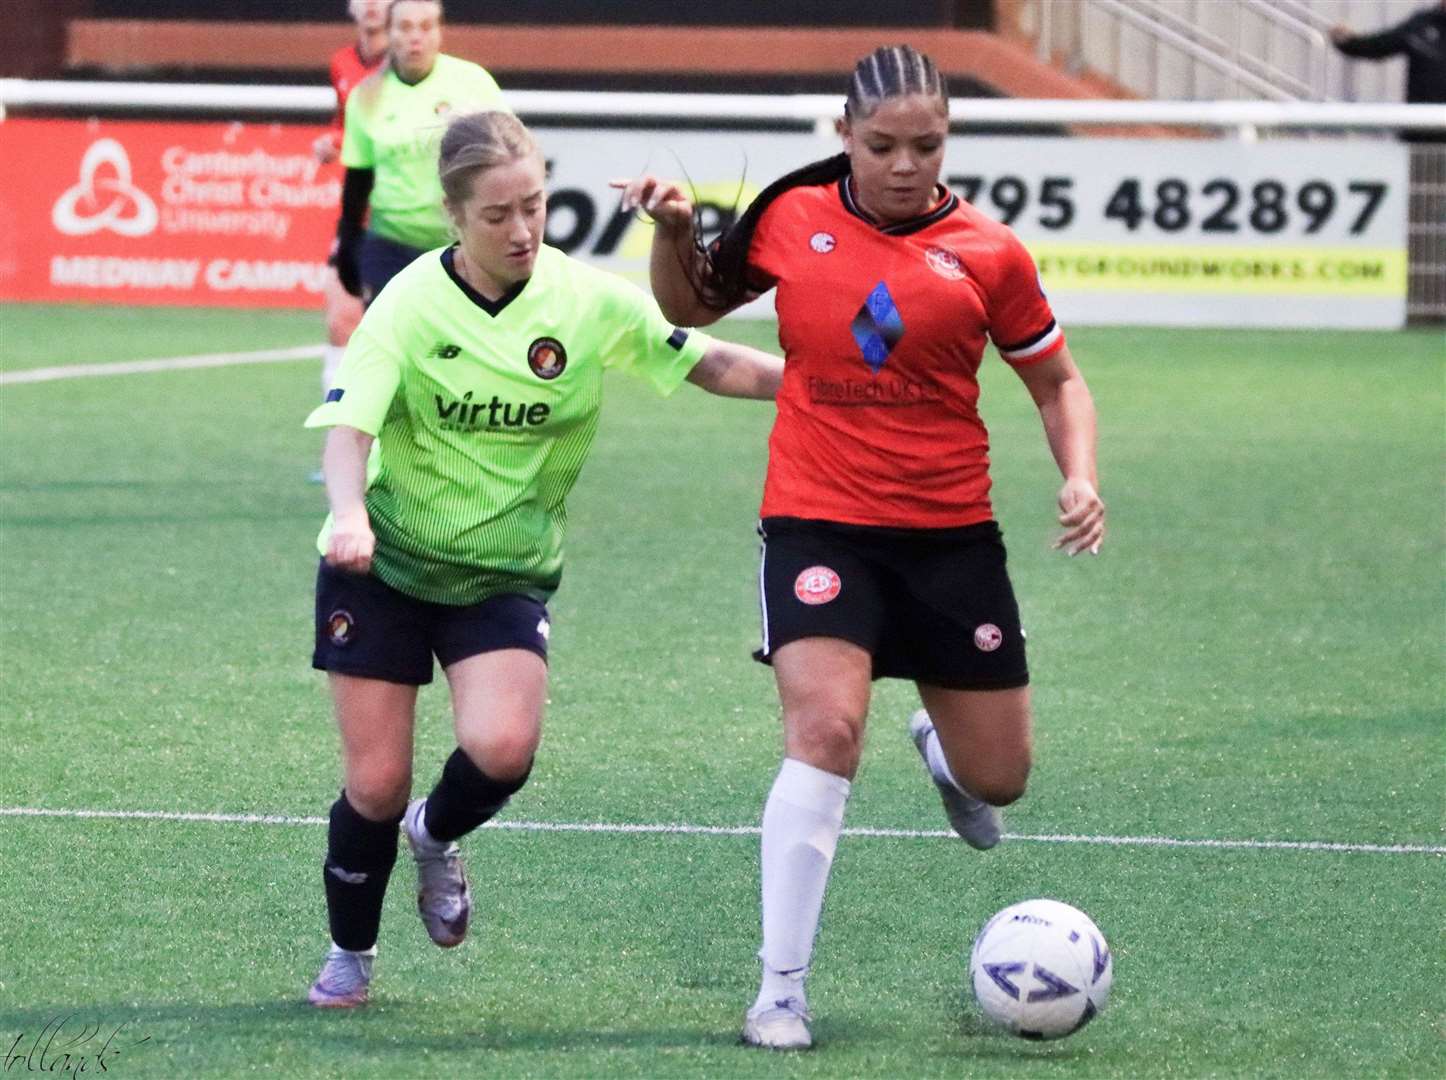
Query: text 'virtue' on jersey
column 395, row 129
column 484, row 412
column 883, row 329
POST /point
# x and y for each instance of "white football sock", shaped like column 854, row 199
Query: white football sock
column 801, row 823
column 330, row 362
column 939, row 764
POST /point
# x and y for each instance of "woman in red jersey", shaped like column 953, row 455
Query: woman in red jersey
column 349, row 65
column 881, row 556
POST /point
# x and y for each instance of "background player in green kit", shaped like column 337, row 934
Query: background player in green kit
column 394, row 120
column 461, row 417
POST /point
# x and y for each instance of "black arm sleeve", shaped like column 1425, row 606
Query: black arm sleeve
column 356, row 190
column 1390, row 42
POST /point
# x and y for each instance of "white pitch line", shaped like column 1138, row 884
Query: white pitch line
column 752, row 830
column 172, row 363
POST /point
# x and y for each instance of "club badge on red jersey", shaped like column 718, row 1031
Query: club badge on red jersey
column 822, row 242
column 944, row 263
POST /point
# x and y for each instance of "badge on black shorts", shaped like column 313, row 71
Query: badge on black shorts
column 987, row 637
column 817, row 585
column 546, row 357
column 340, row 627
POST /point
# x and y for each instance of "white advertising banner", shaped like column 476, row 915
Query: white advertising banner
column 1176, row 232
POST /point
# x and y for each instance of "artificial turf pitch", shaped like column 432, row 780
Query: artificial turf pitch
column 1256, row 656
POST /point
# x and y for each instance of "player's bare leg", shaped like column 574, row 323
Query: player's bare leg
column 824, row 687
column 497, row 702
column 977, row 747
column 375, row 719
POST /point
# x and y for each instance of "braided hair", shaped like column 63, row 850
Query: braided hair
column 889, row 72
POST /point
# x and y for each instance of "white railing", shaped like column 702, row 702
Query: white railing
column 1231, row 45
column 1164, row 28
column 818, row 109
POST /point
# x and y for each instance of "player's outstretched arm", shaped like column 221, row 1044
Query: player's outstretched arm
column 732, row 370
column 1068, row 412
column 344, row 465
column 1378, row 46
column 675, row 263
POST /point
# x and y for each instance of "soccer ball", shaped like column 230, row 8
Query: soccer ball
column 1041, row 969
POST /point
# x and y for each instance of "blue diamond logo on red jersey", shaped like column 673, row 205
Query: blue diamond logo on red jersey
column 877, row 327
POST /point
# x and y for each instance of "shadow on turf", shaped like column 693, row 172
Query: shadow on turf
column 344, row 1027
column 174, row 1026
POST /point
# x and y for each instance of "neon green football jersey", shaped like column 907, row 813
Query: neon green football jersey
column 395, row 129
column 484, row 413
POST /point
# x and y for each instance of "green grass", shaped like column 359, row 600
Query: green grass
column 1256, row 655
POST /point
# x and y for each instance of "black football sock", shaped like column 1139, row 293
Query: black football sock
column 465, row 797
column 360, row 854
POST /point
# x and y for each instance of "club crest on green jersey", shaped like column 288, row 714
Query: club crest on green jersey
column 546, row 357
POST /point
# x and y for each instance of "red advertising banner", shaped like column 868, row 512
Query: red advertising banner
column 237, row 215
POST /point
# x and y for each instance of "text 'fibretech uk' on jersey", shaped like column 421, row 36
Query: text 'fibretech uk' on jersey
column 883, row 331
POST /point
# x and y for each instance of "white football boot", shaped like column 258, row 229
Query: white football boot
column 783, row 1025
column 344, row 979
column 973, row 819
column 443, row 899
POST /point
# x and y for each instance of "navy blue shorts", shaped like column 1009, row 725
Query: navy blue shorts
column 380, row 260
column 931, row 605
column 367, row 628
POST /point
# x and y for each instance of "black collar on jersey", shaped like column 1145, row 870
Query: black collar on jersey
column 393, row 67
column 492, row 307
column 901, row 228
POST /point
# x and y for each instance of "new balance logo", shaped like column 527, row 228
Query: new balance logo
column 443, row 351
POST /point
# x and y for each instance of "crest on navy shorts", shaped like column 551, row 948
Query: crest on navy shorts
column 987, row 637
column 944, row 263
column 817, row 585
column 546, row 357
column 822, row 242
column 340, row 627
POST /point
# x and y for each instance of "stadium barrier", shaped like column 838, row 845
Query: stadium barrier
column 1267, row 228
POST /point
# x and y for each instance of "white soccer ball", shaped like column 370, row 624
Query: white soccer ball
column 1041, row 969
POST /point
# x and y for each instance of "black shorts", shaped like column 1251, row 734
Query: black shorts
column 379, row 260
column 365, row 627
column 931, row 605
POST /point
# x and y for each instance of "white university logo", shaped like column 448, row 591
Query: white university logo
column 108, row 202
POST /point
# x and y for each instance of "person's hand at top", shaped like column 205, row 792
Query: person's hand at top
column 663, row 200
column 326, row 148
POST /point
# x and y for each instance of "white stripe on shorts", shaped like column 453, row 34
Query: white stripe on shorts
column 762, row 593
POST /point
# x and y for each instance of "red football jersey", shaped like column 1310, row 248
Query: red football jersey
column 347, row 69
column 883, row 329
